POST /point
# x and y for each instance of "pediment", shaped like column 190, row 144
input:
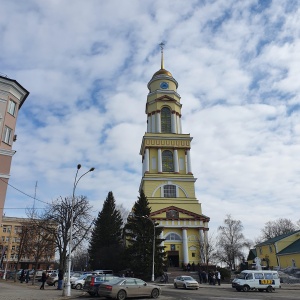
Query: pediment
column 174, row 212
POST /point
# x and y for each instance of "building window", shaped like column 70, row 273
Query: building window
column 12, row 107
column 169, row 191
column 7, row 135
column 167, row 161
column 173, row 237
column 172, row 214
column 271, row 249
column 165, row 120
column 193, row 254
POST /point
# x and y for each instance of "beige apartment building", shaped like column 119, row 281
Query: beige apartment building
column 10, row 237
column 12, row 97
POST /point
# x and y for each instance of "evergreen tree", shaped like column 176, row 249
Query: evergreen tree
column 139, row 232
column 106, row 244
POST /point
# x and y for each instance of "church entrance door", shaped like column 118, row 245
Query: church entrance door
column 173, row 258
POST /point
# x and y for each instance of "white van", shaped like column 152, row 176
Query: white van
column 259, row 280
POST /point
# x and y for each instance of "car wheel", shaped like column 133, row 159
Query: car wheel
column 175, row 285
column 269, row 289
column 154, row 293
column 78, row 286
column 246, row 288
column 121, row 295
column 185, row 287
column 54, row 283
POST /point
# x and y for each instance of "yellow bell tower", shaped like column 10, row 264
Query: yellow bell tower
column 168, row 181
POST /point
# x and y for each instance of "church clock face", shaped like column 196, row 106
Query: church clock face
column 164, row 85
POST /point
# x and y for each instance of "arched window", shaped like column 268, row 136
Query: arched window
column 169, row 191
column 167, row 161
column 173, row 237
column 165, row 120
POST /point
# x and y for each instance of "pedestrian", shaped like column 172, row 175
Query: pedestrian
column 22, row 275
column 219, row 277
column 166, row 277
column 200, row 276
column 193, row 266
column 214, row 278
column 44, row 278
column 27, row 276
column 60, row 279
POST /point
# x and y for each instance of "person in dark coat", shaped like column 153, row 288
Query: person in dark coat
column 27, row 276
column 22, row 275
column 44, row 278
column 60, row 279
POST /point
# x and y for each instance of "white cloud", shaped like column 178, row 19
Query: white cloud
column 87, row 67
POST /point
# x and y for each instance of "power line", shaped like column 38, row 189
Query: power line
column 23, row 192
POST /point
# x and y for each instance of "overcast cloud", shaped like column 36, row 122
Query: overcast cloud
column 87, row 65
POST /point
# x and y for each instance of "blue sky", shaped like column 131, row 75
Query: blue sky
column 87, row 65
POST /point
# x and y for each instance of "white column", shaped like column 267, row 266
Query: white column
column 153, row 122
column 178, row 123
column 173, row 122
column 146, row 159
column 176, row 166
column 189, row 165
column 185, row 246
column 159, row 160
column 149, row 123
column 162, row 237
column 143, row 168
column 202, row 246
column 158, row 122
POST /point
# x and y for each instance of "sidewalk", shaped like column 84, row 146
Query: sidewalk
column 10, row 290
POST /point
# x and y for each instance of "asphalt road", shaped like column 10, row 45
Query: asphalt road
column 10, row 290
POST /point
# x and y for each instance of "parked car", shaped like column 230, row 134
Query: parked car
column 79, row 282
column 123, row 287
column 186, row 282
column 101, row 272
column 52, row 279
column 10, row 274
column 74, row 277
column 92, row 282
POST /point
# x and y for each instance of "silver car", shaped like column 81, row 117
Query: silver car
column 123, row 287
column 186, row 282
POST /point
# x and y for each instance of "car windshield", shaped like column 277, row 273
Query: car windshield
column 82, row 276
column 242, row 276
column 187, row 278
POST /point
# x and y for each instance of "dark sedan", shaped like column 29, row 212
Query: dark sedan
column 92, row 282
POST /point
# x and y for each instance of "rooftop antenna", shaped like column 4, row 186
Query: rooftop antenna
column 33, row 208
column 162, row 54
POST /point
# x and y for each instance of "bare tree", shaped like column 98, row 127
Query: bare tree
column 276, row 228
column 230, row 242
column 207, row 248
column 298, row 224
column 60, row 213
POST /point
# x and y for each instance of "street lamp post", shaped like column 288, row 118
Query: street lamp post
column 153, row 223
column 68, row 285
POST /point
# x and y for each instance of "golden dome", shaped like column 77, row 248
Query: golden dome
column 162, row 72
